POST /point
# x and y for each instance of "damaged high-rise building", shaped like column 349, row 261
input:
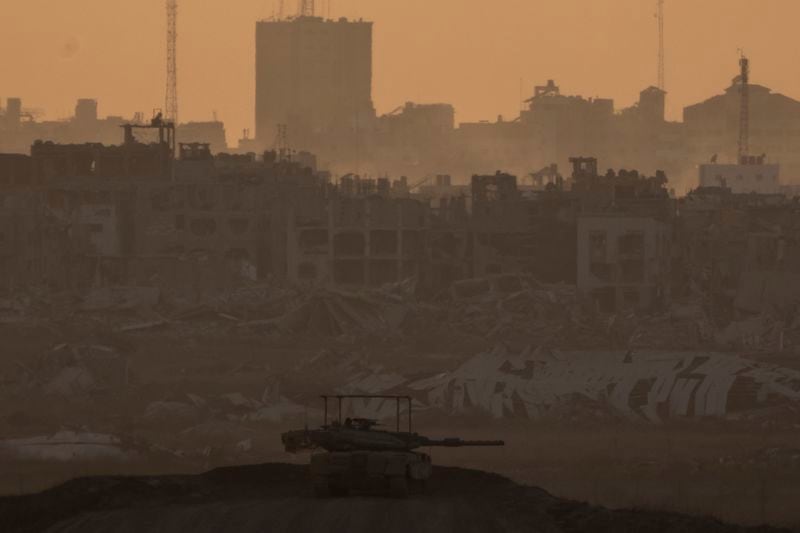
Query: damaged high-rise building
column 315, row 77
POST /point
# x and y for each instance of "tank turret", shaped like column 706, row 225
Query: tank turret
column 336, row 438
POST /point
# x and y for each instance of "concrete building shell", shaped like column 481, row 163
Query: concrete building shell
column 623, row 261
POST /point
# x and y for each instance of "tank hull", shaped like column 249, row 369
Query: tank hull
column 395, row 473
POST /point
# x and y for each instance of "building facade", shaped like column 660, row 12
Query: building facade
column 315, row 77
column 752, row 175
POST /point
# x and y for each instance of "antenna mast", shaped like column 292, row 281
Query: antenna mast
column 307, row 8
column 661, row 76
column 744, row 112
column 281, row 145
column 171, row 104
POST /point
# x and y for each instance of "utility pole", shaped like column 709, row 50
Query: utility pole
column 744, row 111
column 661, row 75
column 171, row 104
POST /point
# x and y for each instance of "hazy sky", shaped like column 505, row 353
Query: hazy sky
column 471, row 53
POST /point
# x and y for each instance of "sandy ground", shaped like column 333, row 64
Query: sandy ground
column 274, row 497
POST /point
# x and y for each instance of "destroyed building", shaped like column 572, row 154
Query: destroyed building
column 514, row 233
column 624, row 237
column 104, row 209
column 739, row 252
column 357, row 234
column 199, row 222
column 80, row 215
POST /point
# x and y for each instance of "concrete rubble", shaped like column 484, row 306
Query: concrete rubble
column 75, row 369
column 506, row 347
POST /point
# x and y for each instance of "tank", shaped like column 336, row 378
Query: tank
column 355, row 456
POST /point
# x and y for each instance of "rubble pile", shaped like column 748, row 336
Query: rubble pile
column 475, row 312
column 503, row 346
column 517, row 307
column 683, row 326
column 70, row 369
column 334, row 313
column 783, row 458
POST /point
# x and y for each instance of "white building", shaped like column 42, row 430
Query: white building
column 752, row 176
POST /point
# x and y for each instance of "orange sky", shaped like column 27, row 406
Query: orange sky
column 471, row 53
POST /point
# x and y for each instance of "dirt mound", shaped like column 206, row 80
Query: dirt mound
column 275, row 497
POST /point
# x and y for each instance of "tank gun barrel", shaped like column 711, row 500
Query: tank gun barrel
column 458, row 443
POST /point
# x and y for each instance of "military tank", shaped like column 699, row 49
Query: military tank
column 354, row 455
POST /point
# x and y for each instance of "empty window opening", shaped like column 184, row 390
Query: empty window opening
column 203, row 227
column 351, row 243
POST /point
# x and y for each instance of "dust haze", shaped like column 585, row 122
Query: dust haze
column 326, row 265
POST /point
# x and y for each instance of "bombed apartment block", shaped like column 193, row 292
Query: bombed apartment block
column 623, row 261
column 624, row 237
column 16, row 171
column 516, row 233
column 623, row 191
column 33, row 244
column 226, row 216
column 450, row 235
column 134, row 214
column 132, row 160
column 353, row 239
column 739, row 250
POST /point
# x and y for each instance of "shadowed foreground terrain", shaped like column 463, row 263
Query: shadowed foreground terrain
column 275, row 498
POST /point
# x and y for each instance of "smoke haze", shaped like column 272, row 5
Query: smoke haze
column 468, row 52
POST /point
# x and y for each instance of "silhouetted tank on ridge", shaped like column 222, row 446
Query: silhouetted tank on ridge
column 358, row 457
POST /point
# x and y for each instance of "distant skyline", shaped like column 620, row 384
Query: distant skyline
column 469, row 53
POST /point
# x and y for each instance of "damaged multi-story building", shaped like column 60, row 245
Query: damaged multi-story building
column 133, row 213
column 179, row 216
column 359, row 232
column 624, row 238
column 105, row 208
column 739, row 251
